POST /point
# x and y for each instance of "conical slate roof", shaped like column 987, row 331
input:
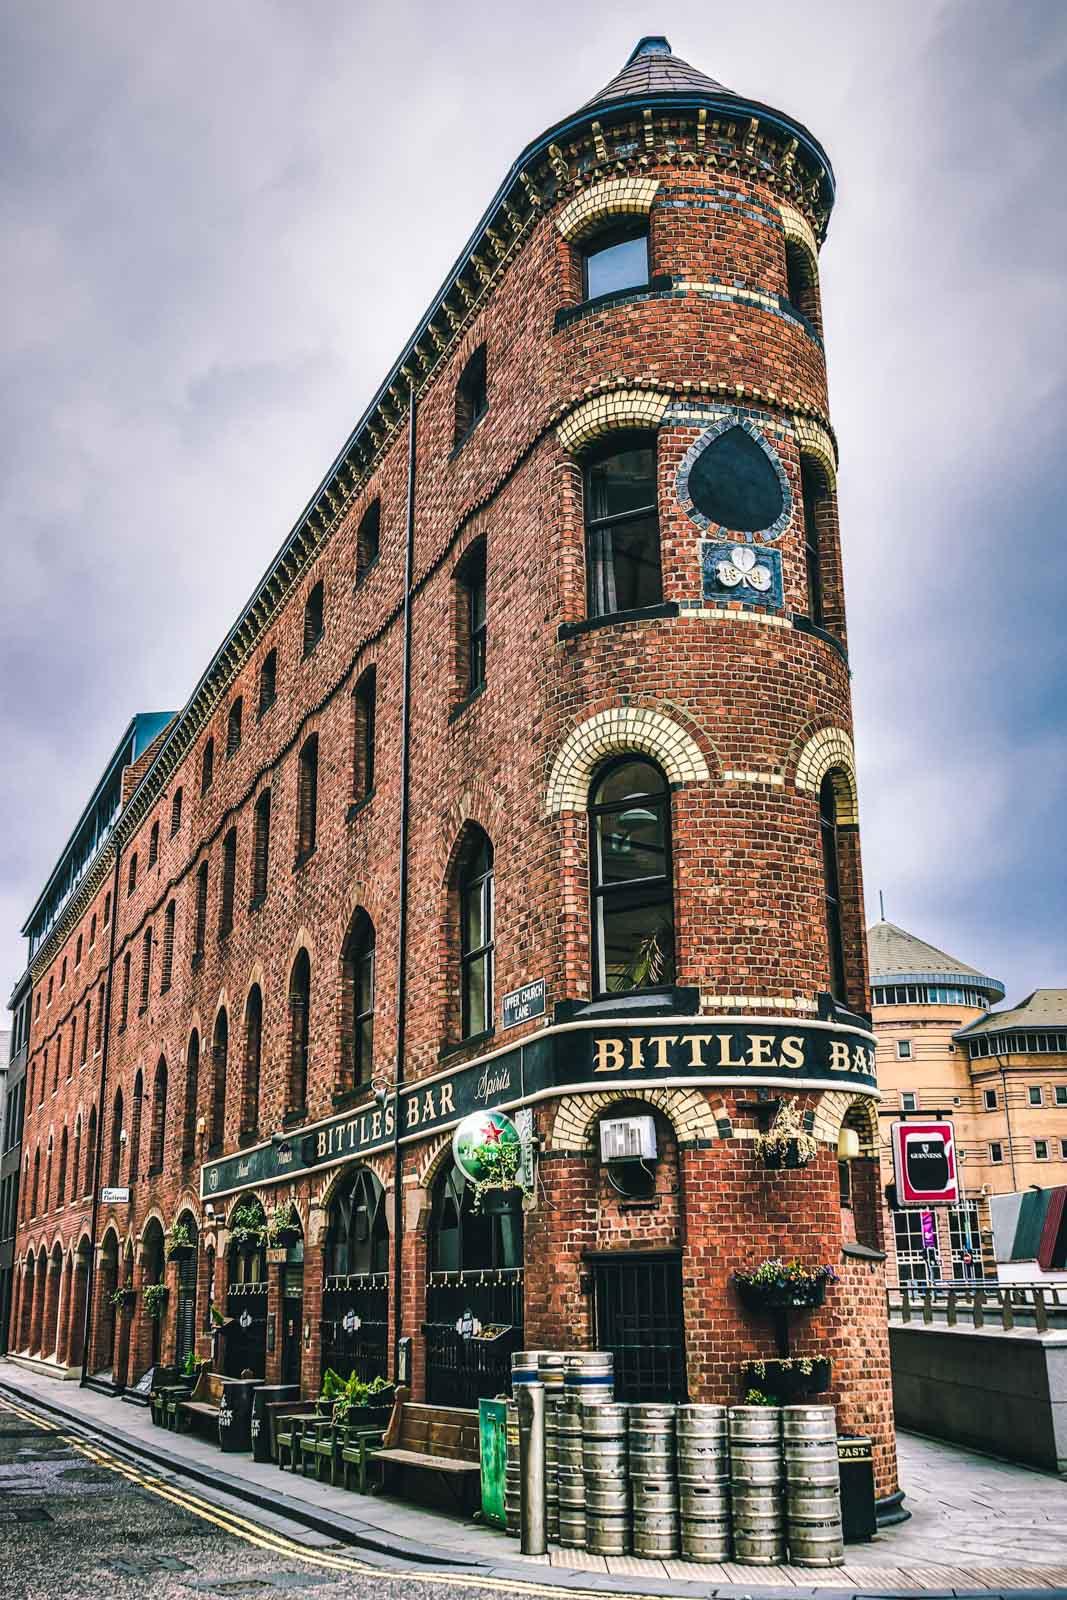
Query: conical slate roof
column 891, row 950
column 652, row 70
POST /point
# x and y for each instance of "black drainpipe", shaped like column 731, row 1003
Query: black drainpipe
column 87, row 1326
column 402, row 917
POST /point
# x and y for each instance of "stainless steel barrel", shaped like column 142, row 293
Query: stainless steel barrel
column 756, row 1481
column 812, row 1486
column 590, row 1375
column 511, row 1471
column 703, row 1447
column 652, row 1441
column 607, row 1491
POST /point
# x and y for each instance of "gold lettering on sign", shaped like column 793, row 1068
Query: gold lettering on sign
column 792, row 1051
column 725, row 1057
column 662, row 1042
column 636, row 1063
column 608, row 1055
column 696, row 1043
column 428, row 1112
column 320, row 1144
column 840, row 1059
column 761, row 1050
column 446, row 1099
column 413, row 1111
column 376, row 1125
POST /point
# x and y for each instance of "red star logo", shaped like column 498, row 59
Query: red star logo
column 492, row 1133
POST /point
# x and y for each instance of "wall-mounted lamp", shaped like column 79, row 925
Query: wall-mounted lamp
column 123, row 1136
column 848, row 1145
column 201, row 1126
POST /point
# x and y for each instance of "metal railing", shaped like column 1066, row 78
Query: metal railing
column 1041, row 1307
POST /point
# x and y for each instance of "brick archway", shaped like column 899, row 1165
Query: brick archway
column 620, row 729
column 690, row 1114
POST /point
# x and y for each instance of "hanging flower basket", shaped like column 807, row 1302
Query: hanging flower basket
column 178, row 1244
column 283, row 1228
column 494, row 1202
column 790, row 1379
column 154, row 1298
column 248, row 1229
column 788, row 1141
column 124, row 1298
column 181, row 1252
column 783, row 1286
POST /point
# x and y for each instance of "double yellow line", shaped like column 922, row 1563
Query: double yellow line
column 262, row 1538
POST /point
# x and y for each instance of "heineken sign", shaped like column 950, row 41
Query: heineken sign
column 568, row 1059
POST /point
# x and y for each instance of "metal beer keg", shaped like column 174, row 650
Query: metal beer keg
column 812, row 1486
column 756, row 1477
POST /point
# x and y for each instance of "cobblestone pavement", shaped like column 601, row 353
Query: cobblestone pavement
column 80, row 1517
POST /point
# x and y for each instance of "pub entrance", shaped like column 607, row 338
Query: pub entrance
column 638, row 1317
column 245, row 1335
column 355, row 1291
column 292, row 1287
column 474, row 1295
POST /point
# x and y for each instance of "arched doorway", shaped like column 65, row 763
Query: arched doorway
column 109, row 1314
column 185, row 1304
column 291, row 1289
column 474, row 1284
column 355, row 1299
column 153, row 1261
column 244, row 1342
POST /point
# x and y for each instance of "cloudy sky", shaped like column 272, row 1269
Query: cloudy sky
column 221, row 221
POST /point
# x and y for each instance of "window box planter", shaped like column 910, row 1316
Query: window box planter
column 785, row 1155
column 782, row 1294
column 181, row 1252
column 154, row 1297
column 124, row 1299
column 787, row 1380
column 494, row 1202
column 285, row 1238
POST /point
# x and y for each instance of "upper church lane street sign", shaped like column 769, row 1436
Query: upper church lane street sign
column 573, row 1058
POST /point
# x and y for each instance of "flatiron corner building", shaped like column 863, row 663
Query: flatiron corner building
column 525, row 782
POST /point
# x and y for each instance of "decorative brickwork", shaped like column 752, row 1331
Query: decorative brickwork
column 830, row 751
column 814, row 441
column 799, row 231
column 624, row 728
column 691, row 1115
column 610, row 413
column 614, row 198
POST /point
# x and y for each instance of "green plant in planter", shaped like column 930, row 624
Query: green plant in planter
column 283, row 1226
column 125, row 1295
column 778, row 1285
column 178, row 1242
column 190, row 1366
column 787, row 1142
column 790, row 1376
column 154, row 1300
column 756, row 1397
column 248, row 1227
column 217, row 1318
column 502, row 1164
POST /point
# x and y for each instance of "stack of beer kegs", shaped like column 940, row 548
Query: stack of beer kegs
column 812, row 1486
column 570, row 1477
column 589, row 1375
column 550, row 1371
column 653, row 1484
column 756, row 1478
column 607, row 1489
column 511, row 1477
column 704, row 1482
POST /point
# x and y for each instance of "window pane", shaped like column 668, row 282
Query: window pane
column 476, row 975
column 624, row 566
column 623, row 482
column 631, row 843
column 637, row 942
column 365, row 984
column 630, row 779
column 623, row 265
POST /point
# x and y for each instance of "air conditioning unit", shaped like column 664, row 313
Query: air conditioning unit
column 628, row 1139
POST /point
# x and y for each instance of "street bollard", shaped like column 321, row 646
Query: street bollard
column 530, row 1398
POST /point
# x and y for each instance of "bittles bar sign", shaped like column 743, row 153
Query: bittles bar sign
column 568, row 1059
column 924, row 1163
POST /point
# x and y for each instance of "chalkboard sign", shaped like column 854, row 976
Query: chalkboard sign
column 144, row 1382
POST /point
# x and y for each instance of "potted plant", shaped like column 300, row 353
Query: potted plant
column 790, row 1377
column 178, row 1244
column 154, row 1300
column 124, row 1297
column 778, row 1285
column 787, row 1142
column 283, row 1227
column 247, row 1228
column 756, row 1397
column 499, row 1189
column 363, row 1404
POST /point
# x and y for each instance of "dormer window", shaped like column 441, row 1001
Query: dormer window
column 615, row 259
column 472, row 396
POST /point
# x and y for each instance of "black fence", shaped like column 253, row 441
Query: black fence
column 355, row 1325
column 474, row 1320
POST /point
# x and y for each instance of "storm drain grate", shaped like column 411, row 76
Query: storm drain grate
column 140, row 1567
column 32, row 1514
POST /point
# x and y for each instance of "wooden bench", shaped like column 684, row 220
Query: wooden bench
column 324, row 1443
column 276, row 1412
column 289, row 1425
column 204, row 1402
column 442, row 1440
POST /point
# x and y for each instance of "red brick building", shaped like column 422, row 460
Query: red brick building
column 547, row 690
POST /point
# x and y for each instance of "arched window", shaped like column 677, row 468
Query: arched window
column 631, row 878
column 307, row 798
column 815, row 503
column 75, row 1165
column 136, row 1112
column 357, row 1002
column 35, row 1192
column 465, row 1240
column 616, row 258
column 313, row 619
column 90, row 1152
column 229, row 883
column 357, row 1236
column 159, row 1118
column 99, row 1036
column 367, row 539
column 472, row 396
column 192, row 1085
column 115, row 1163
column 802, row 285
column 268, row 681
column 176, row 812
column 475, row 883
column 153, row 845
column 168, row 948
column 472, row 619
column 61, row 1185
column 207, row 766
column 233, row 727
column 146, row 966
column 47, row 1195
column 92, row 930
column 220, row 1058
column 363, row 706
column 78, row 952
column 131, row 877
column 253, row 1052
column 200, row 916
column 260, row 848
column 832, row 888
column 622, row 557
column 299, row 1033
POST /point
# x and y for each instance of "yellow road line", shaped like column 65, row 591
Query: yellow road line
column 262, row 1538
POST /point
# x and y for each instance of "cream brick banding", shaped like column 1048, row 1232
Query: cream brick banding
column 814, row 441
column 773, row 779
column 611, row 413
column 689, row 1113
column 830, row 751
column 617, row 197
column 798, row 230
column 620, row 730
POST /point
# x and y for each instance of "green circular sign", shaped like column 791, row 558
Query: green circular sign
column 479, row 1143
